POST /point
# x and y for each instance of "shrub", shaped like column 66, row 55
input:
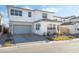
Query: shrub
column 61, row 38
column 61, row 33
column 7, row 42
column 66, row 38
column 50, row 39
column 48, row 33
column 71, row 37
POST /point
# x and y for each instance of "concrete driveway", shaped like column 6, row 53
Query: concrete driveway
column 28, row 38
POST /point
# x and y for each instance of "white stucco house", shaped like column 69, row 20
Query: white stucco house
column 27, row 21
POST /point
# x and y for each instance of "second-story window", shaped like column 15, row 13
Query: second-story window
column 44, row 15
column 12, row 11
column 16, row 12
column 29, row 14
column 20, row 13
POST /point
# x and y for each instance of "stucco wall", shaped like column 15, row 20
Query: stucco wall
column 45, row 23
column 43, row 28
column 24, row 16
column 36, row 15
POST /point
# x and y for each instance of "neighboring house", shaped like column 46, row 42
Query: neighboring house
column 68, row 18
column 68, row 27
column 26, row 21
column 72, row 23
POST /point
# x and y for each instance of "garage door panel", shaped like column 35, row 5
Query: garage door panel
column 22, row 29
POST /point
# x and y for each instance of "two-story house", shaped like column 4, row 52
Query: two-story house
column 71, row 23
column 26, row 21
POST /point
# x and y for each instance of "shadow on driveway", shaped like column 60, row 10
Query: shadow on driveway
column 28, row 38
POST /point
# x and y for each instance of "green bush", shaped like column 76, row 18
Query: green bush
column 71, row 37
column 7, row 42
column 51, row 39
column 61, row 38
column 48, row 33
column 57, row 39
column 61, row 33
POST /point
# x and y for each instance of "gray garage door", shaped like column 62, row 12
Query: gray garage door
column 22, row 29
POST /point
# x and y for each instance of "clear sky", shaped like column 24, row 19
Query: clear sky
column 60, row 10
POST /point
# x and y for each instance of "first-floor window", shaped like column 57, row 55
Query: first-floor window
column 37, row 26
column 77, row 29
column 54, row 26
column 49, row 27
column 58, row 27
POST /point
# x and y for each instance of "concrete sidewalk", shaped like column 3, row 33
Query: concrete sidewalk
column 70, row 46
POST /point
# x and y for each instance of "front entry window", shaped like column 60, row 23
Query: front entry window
column 58, row 28
column 49, row 27
column 37, row 26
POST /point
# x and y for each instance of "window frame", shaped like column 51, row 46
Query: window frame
column 20, row 13
column 29, row 14
column 49, row 27
column 15, row 12
column 38, row 26
column 44, row 15
column 54, row 26
column 12, row 11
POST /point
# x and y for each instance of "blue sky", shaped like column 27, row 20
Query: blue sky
column 60, row 10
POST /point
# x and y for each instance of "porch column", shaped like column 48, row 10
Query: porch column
column 56, row 28
column 11, row 28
